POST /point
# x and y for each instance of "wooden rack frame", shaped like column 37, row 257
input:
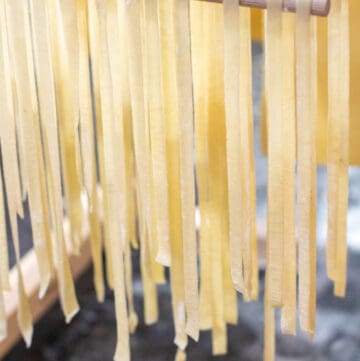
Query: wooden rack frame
column 318, row 7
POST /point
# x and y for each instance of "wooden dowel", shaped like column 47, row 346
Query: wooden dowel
column 318, row 7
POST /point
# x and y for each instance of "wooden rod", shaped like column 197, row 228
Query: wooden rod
column 318, row 7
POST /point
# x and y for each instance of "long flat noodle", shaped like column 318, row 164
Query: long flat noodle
column 314, row 117
column 157, row 130
column 47, row 103
column 128, row 131
column 217, row 175
column 8, row 130
column 142, row 160
column 173, row 168
column 247, row 172
column 69, row 14
column 338, row 142
column 115, row 211
column 157, row 269
column 93, row 30
column 4, row 277
column 34, row 65
column 288, row 315
column 61, row 76
column 232, row 108
column 88, row 148
column 96, row 244
column 67, row 129
column 85, row 106
column 238, row 103
column 306, row 165
column 199, row 38
column 252, row 179
column 187, row 181
column 141, row 141
column 8, row 146
column 19, row 45
column 273, row 68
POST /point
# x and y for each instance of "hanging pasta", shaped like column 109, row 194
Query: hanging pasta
column 132, row 121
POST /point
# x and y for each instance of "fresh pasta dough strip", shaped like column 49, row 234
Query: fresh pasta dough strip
column 95, row 76
column 338, row 142
column 217, row 174
column 88, row 148
column 246, row 74
column 141, row 141
column 115, row 211
column 133, row 14
column 186, row 111
column 61, row 76
column 157, row 130
column 4, row 277
column 288, row 315
column 199, row 38
column 85, row 106
column 95, row 220
column 71, row 35
column 247, row 161
column 232, row 53
column 306, row 118
column 273, row 66
column 8, row 129
column 173, row 168
column 128, row 131
column 67, row 129
column 239, row 117
column 28, row 113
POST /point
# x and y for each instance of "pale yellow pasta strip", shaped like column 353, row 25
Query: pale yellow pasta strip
column 246, row 74
column 28, row 113
column 338, row 142
column 217, row 175
column 61, row 76
column 8, row 146
column 67, row 129
column 134, row 18
column 128, row 131
column 166, row 9
column 71, row 35
column 157, row 130
column 4, row 277
column 85, row 106
column 288, row 315
column 8, row 130
column 247, row 172
column 96, row 244
column 306, row 165
column 114, row 164
column 232, row 53
column 141, row 141
column 93, row 30
column 199, row 38
column 273, row 66
column 186, row 111
column 88, row 147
